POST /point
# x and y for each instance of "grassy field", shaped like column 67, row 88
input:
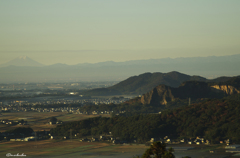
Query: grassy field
column 39, row 121
column 67, row 148
column 74, row 149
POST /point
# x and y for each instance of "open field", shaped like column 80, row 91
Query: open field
column 201, row 151
column 52, row 148
column 74, row 148
column 39, row 121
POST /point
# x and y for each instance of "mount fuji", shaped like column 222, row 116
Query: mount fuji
column 22, row 61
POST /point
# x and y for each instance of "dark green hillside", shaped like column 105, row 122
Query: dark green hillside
column 235, row 97
column 234, row 81
column 222, row 79
column 163, row 95
column 219, row 79
column 196, row 90
column 145, row 82
column 214, row 120
column 138, row 85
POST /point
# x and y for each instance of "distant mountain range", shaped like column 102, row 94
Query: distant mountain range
column 24, row 69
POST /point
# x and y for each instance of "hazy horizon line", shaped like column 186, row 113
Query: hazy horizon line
column 120, row 61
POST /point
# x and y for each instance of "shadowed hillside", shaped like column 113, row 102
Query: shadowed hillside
column 214, row 119
column 144, row 83
column 138, row 85
column 163, row 94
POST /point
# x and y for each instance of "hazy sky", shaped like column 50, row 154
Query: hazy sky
column 79, row 31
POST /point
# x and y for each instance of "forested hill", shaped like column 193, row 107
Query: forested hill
column 214, row 120
column 145, row 82
column 162, row 94
column 233, row 81
column 165, row 97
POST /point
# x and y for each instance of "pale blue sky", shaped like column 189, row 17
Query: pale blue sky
column 77, row 31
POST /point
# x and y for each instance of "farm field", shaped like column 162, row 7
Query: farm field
column 67, row 148
column 39, row 121
column 73, row 149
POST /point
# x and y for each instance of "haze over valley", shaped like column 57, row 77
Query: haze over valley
column 23, row 69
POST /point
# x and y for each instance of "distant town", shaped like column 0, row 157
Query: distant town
column 53, row 97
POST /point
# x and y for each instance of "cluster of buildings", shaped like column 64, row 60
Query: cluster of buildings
column 48, row 106
column 20, row 105
column 196, row 141
column 45, row 102
column 74, row 110
column 108, row 138
column 26, row 139
column 11, row 122
column 34, row 109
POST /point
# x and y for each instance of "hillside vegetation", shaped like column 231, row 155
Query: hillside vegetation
column 138, row 85
column 144, row 83
column 214, row 120
column 165, row 97
column 162, row 94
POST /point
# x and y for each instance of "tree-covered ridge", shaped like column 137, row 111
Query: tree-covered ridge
column 233, row 81
column 20, row 131
column 165, row 97
column 161, row 95
column 213, row 119
column 144, row 82
column 135, row 106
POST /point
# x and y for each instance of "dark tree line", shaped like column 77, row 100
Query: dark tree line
column 213, row 119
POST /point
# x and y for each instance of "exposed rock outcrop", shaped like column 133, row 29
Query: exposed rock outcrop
column 226, row 89
column 159, row 95
column 162, row 94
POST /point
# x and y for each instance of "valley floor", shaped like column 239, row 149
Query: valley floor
column 74, row 148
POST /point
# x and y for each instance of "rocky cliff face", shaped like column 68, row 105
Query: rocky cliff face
column 162, row 94
column 159, row 95
column 226, row 89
